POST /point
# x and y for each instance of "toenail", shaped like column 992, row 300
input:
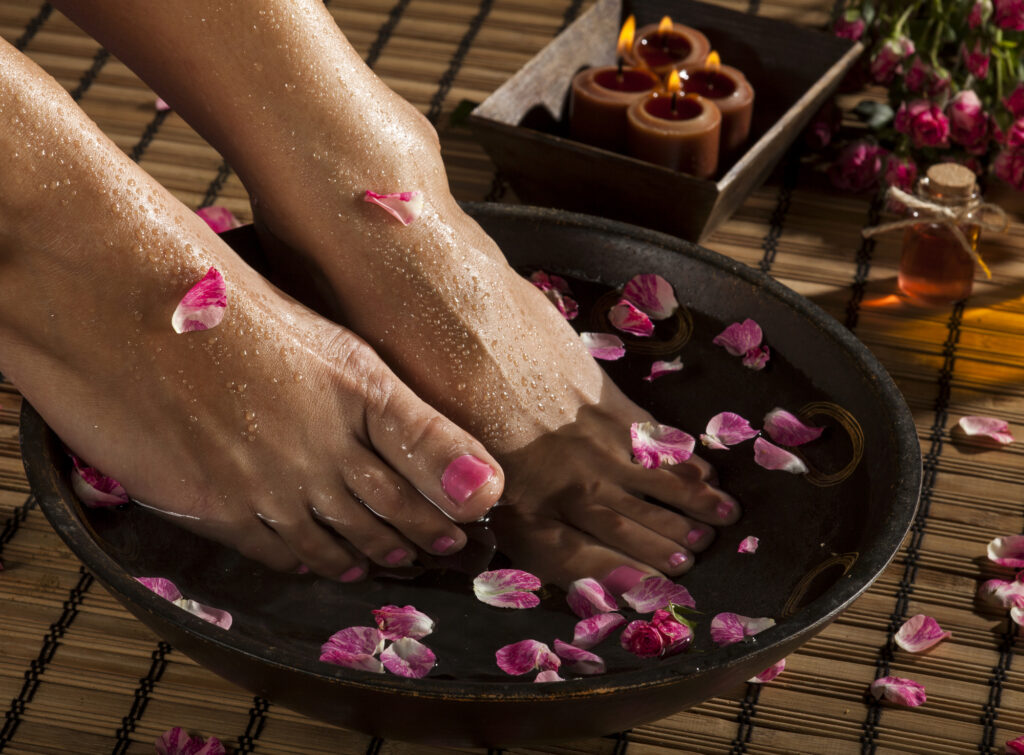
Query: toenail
column 303, row 569
column 622, row 578
column 677, row 559
column 724, row 509
column 396, row 556
column 695, row 535
column 443, row 544
column 465, row 476
column 352, row 574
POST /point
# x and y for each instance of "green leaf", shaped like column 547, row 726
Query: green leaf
column 876, row 114
column 682, row 614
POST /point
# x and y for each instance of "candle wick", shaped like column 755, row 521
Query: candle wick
column 620, row 69
column 673, row 103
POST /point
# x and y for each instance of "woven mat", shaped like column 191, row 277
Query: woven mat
column 79, row 674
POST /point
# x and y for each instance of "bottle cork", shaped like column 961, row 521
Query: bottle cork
column 951, row 180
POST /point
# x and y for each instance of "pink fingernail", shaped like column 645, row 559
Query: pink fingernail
column 724, row 509
column 622, row 578
column 677, row 559
column 465, row 476
column 352, row 574
column 694, row 536
column 442, row 544
column 396, row 556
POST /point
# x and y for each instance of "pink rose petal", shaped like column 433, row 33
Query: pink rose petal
column 579, row 661
column 629, row 319
column 557, row 291
column 406, row 206
column 898, row 690
column 356, row 648
column 769, row 673
column 177, row 741
column 999, row 593
column 161, row 105
column 203, row 306
column 1017, row 613
column 740, row 337
column 1007, row 551
column 770, row 456
column 653, row 593
column 756, row 358
column 661, row 368
column 655, row 444
column 730, row 628
column 548, row 676
column 749, row 544
column 675, row 635
column 786, row 429
column 220, row 219
column 547, row 282
column 215, row 616
column 1015, row 746
column 397, row 622
column 162, row 587
column 408, row 657
column 989, row 427
column 587, row 597
column 919, row 633
column 596, row 629
column 603, row 346
column 651, row 294
column 642, row 639
column 507, row 588
column 726, row 429
column 94, row 488
column 525, row 656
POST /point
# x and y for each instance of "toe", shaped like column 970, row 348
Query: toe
column 687, row 487
column 312, row 545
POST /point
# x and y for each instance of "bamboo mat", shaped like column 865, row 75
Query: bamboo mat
column 78, row 674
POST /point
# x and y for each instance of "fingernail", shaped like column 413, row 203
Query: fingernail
column 352, row 574
column 396, row 556
column 622, row 578
column 443, row 544
column 694, row 536
column 465, row 476
column 724, row 509
column 677, row 559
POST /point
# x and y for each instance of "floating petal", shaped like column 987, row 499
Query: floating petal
column 177, row 741
column 220, row 219
column 786, row 429
column 548, row 676
column 588, row 597
column 756, row 358
column 642, row 639
column 653, row 593
column 406, row 206
column 769, row 673
column 557, row 291
column 507, row 588
column 740, row 337
column 94, row 488
column 594, row 630
column 675, row 635
column 629, row 319
column 203, row 306
column 603, row 346
column 396, row 623
column 770, row 456
column 898, row 690
column 525, row 656
column 408, row 657
column 579, row 661
column 919, row 633
column 356, row 648
column 162, row 587
column 213, row 615
column 749, row 544
column 661, row 368
column 730, row 628
column 1007, row 551
column 655, row 444
column 726, row 429
column 547, row 282
column 652, row 294
column 990, row 427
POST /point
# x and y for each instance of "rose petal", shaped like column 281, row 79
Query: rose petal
column 642, row 639
column 730, row 628
column 507, row 588
column 999, row 593
column 1017, row 613
column 990, row 427
column 653, row 593
column 675, row 635
column 162, row 587
column 603, row 346
column 220, row 219
column 408, row 657
column 786, row 429
column 1015, row 746
column 548, row 676
column 655, row 444
column 94, row 488
column 661, row 368
column 1007, row 551
column 587, row 597
column 919, row 633
column 740, row 337
column 213, row 615
column 769, row 673
column 547, row 282
column 756, row 358
column 629, row 319
column 406, row 206
column 579, row 661
column 557, row 291
column 525, row 656
column 726, row 429
column 177, row 741
column 161, row 105
column 749, row 544
column 202, row 307
column 652, row 294
column 898, row 690
column 354, row 647
column 396, row 623
column 594, row 630
column 770, row 456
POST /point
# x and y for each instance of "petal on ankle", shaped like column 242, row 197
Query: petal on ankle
column 1007, row 551
column 162, row 587
column 354, row 647
column 603, row 346
column 726, row 429
column 525, row 656
column 661, row 368
column 654, row 593
column 396, row 623
column 405, row 206
column 655, row 444
column 594, row 630
column 652, row 294
column 770, row 456
column 217, row 616
column 769, row 673
column 203, row 306
column 788, row 430
column 588, row 597
column 898, row 690
column 408, row 657
column 219, row 218
column 94, row 488
column 629, row 319
column 579, row 661
column 507, row 588
column 989, row 427
column 748, row 545
column 919, row 633
column 729, row 628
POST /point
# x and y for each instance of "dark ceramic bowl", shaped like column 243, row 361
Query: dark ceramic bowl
column 824, row 536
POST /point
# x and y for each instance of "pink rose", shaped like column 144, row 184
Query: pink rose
column 976, row 60
column 1009, row 166
column 857, row 167
column 968, row 122
column 980, row 12
column 888, row 61
column 849, row 26
column 1015, row 136
column 924, row 122
column 1015, row 102
column 643, row 639
column 918, row 75
column 824, row 124
column 901, row 172
column 676, row 635
column 1009, row 14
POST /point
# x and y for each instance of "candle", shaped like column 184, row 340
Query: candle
column 668, row 46
column 679, row 132
column 729, row 89
column 600, row 96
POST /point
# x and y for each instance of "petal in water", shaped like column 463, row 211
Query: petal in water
column 588, row 597
column 730, row 628
column 653, row 593
column 162, row 587
column 919, row 633
column 94, row 488
column 203, row 306
column 356, row 648
column 220, row 219
column 749, row 544
column 652, row 294
column 629, row 319
column 1007, row 551
column 525, row 656
column 594, row 630
column 769, row 673
column 557, row 291
column 548, row 676
column 579, row 661
column 898, row 690
column 726, row 429
column 655, row 444
column 408, row 657
column 989, row 427
column 675, row 635
column 603, row 346
column 756, row 358
column 397, row 622
column 547, row 282
column 405, row 206
column 770, row 456
column 213, row 615
column 660, row 368
column 177, row 741
column 507, row 588
column 642, row 639
column 740, row 337
column 786, row 429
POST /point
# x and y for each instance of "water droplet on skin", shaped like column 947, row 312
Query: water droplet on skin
column 250, row 415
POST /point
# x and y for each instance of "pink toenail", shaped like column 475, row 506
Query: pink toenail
column 396, row 556
column 694, row 536
column 303, row 569
column 622, row 578
column 724, row 509
column 465, row 476
column 677, row 559
column 443, row 544
column 352, row 574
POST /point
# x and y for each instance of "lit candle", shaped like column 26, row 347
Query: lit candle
column 666, row 46
column 676, row 131
column 600, row 96
column 729, row 89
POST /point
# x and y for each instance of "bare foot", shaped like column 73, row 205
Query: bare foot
column 276, row 432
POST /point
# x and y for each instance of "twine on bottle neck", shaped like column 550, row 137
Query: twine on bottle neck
column 952, row 217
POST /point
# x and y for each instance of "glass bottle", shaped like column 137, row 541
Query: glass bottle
column 935, row 269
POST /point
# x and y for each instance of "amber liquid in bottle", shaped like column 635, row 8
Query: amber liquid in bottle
column 935, row 269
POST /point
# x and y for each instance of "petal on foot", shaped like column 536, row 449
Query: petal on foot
column 202, row 307
column 655, row 444
column 919, row 633
column 651, row 294
column 989, row 427
column 770, row 456
column 788, row 430
column 507, row 588
column 726, row 429
column 603, row 346
column 405, row 206
column 898, row 690
column 629, row 319
column 408, row 657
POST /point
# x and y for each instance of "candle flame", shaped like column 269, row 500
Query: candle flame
column 713, row 62
column 626, row 37
column 675, row 85
column 666, row 25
